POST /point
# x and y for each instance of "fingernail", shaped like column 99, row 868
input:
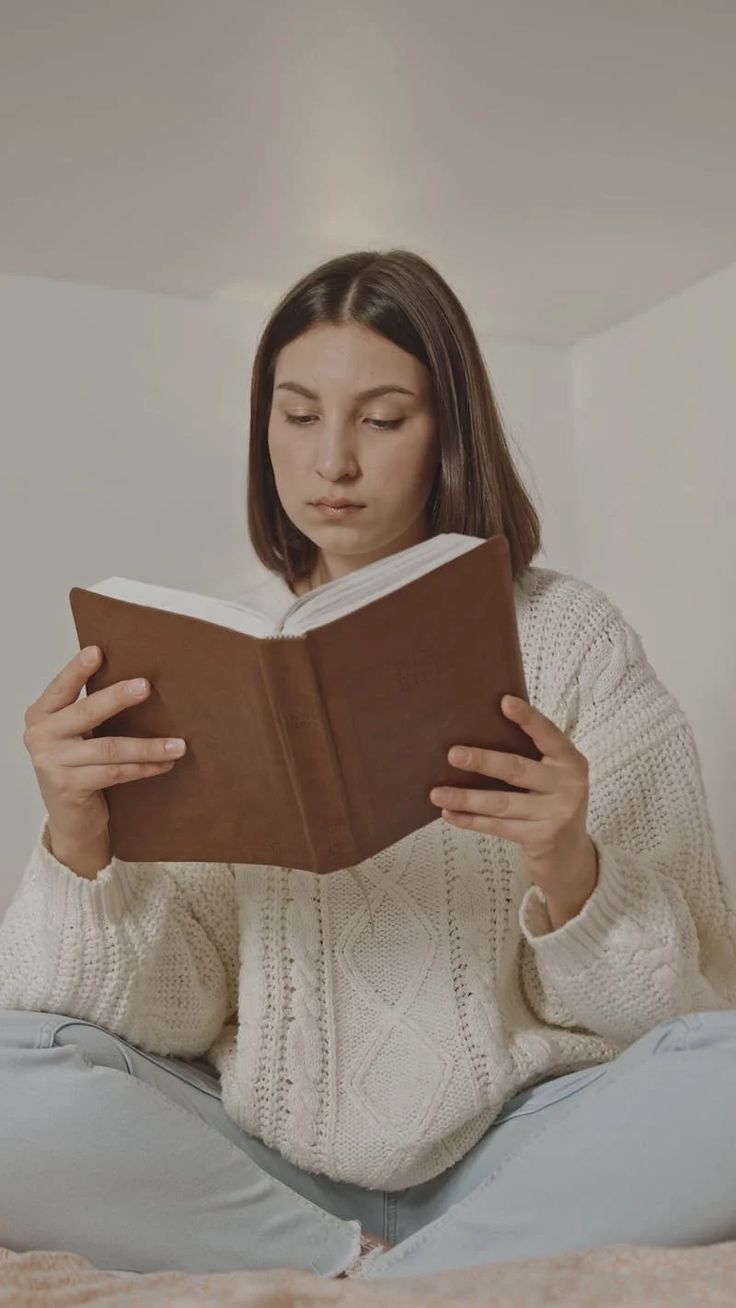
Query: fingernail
column 459, row 755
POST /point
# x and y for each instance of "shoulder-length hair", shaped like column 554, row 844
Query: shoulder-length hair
column 477, row 490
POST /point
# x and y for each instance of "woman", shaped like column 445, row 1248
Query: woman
column 529, row 1044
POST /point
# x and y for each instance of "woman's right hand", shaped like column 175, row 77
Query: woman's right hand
column 71, row 765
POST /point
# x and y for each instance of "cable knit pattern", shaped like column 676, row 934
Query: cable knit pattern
column 373, row 1029
column 304, row 1040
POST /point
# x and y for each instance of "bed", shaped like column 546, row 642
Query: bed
column 617, row 1276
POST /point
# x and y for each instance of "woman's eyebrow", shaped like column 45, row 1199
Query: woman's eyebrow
column 361, row 395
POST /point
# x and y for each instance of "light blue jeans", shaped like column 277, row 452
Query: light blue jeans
column 130, row 1160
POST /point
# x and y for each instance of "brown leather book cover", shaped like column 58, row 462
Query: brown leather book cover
column 314, row 750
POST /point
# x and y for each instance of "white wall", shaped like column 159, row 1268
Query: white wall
column 125, row 420
column 654, row 435
column 532, row 388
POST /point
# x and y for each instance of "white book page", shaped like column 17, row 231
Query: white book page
column 341, row 596
column 317, row 607
column 225, row 613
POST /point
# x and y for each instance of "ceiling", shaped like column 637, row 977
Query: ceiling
column 565, row 164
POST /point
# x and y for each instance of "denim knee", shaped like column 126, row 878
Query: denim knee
column 38, row 1029
column 688, row 1030
column 27, row 1028
column 709, row 1027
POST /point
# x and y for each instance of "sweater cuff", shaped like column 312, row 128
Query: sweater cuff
column 106, row 898
column 579, row 942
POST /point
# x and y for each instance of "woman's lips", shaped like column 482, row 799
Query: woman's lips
column 344, row 512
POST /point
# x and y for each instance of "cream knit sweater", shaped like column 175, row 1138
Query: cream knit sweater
column 378, row 1048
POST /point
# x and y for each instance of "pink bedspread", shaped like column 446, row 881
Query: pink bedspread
column 619, row 1276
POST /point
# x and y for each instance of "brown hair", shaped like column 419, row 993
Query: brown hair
column 477, row 490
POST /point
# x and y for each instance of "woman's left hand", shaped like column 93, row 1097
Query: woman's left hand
column 549, row 822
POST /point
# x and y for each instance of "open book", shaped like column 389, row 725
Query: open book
column 312, row 742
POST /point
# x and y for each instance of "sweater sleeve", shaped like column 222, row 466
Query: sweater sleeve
column 147, row 950
column 657, row 937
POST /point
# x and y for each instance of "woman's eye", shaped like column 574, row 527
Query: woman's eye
column 301, row 419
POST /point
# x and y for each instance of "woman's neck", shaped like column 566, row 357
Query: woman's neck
column 315, row 579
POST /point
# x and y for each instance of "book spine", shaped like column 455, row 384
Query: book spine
column 301, row 723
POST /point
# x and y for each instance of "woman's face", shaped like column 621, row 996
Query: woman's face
column 381, row 451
